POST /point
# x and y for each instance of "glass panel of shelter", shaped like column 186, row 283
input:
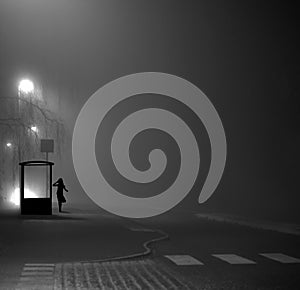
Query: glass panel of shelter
column 35, row 181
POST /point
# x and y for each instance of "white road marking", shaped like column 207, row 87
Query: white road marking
column 36, row 279
column 282, row 258
column 37, row 276
column 140, row 230
column 183, row 260
column 36, row 273
column 26, row 268
column 39, row 264
column 233, row 259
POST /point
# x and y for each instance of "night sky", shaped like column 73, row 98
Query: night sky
column 244, row 55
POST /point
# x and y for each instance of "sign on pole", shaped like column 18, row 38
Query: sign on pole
column 47, row 145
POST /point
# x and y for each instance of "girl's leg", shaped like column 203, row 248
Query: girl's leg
column 59, row 206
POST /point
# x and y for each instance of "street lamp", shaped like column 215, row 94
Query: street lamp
column 26, row 86
column 25, row 89
column 34, row 129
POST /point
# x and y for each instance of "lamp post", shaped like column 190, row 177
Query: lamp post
column 34, row 129
column 25, row 88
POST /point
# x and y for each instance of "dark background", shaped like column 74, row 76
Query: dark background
column 244, row 55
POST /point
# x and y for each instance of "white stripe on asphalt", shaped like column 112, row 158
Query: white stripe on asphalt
column 36, row 279
column 140, row 230
column 26, row 268
column 282, row 258
column 233, row 259
column 36, row 273
column 39, row 264
column 183, row 260
column 37, row 276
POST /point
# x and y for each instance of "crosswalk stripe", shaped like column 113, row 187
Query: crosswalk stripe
column 39, row 264
column 35, row 279
column 138, row 229
column 233, row 259
column 183, row 260
column 37, row 276
column 36, row 273
column 26, row 268
column 282, row 258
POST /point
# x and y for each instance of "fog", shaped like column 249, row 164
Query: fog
column 243, row 56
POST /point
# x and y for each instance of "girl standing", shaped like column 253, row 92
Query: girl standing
column 60, row 193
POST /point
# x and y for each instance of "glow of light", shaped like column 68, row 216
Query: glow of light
column 34, row 129
column 26, row 86
column 8, row 144
column 15, row 195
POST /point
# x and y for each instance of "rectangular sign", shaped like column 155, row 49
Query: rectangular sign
column 47, row 145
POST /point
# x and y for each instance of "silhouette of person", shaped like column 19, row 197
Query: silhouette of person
column 60, row 193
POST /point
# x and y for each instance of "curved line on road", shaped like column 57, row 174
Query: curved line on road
column 146, row 245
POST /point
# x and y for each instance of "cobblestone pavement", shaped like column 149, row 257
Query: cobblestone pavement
column 118, row 275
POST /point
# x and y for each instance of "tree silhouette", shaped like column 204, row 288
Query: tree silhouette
column 24, row 120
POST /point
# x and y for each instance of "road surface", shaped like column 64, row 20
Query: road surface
column 73, row 251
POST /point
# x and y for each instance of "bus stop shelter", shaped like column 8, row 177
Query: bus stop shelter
column 36, row 187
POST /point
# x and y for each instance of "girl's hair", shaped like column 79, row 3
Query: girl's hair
column 60, row 180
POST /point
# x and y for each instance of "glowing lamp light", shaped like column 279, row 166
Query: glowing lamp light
column 26, row 86
column 34, row 129
column 15, row 196
column 8, row 145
